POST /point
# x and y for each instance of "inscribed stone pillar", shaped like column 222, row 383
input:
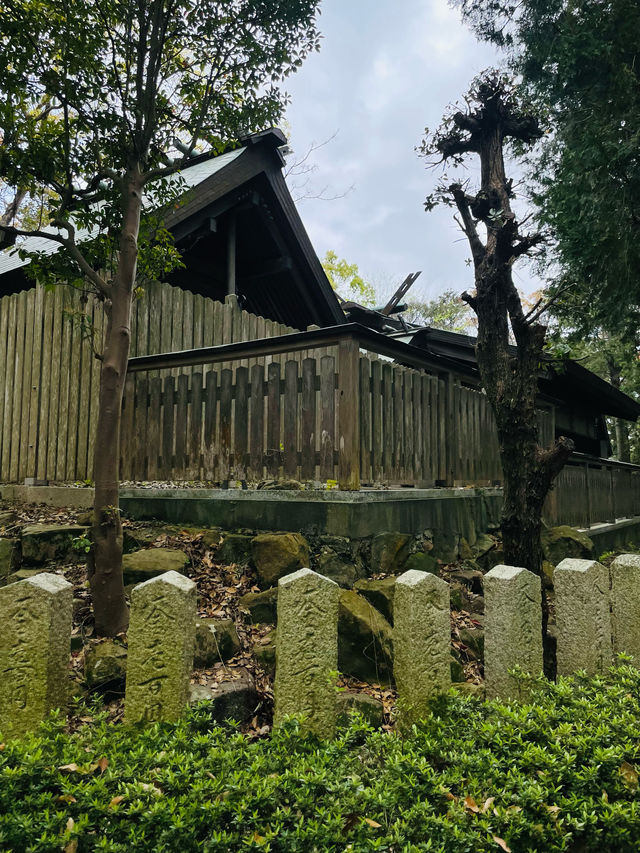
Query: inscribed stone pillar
column 307, row 650
column 625, row 605
column 513, row 628
column 161, row 645
column 583, row 622
column 421, row 642
column 35, row 638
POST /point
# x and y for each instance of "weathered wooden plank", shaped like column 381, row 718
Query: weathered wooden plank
column 187, row 319
column 348, row 415
column 444, row 390
column 141, row 441
column 195, row 427
column 177, row 300
column 26, row 386
column 376, row 420
column 427, row 422
column 18, row 387
column 198, row 321
column 226, row 379
column 153, row 297
column 256, row 431
column 241, row 424
column 84, row 398
column 308, row 433
column 327, row 416
column 387, row 422
column 290, row 427
column 96, row 369
column 153, row 428
column 418, row 425
column 210, row 410
column 218, row 322
column 365, row 419
column 4, row 321
column 252, row 334
column 273, row 419
column 182, row 401
column 127, row 426
column 407, row 426
column 34, row 355
column 75, row 377
column 57, row 360
column 166, row 320
column 398, row 425
column 207, row 334
column 7, row 427
column 168, row 430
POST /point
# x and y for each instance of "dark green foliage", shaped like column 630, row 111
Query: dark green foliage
column 579, row 64
column 561, row 771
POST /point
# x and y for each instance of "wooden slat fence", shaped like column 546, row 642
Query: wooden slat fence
column 283, row 420
column 269, row 420
column 593, row 491
column 50, row 378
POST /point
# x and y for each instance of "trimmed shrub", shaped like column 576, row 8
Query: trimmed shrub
column 557, row 774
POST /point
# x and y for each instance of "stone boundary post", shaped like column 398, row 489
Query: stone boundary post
column 162, row 633
column 307, row 650
column 625, row 605
column 513, row 628
column 35, row 640
column 583, row 621
column 421, row 642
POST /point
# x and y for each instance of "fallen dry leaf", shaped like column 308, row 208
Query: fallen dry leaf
column 116, row 801
column 103, row 763
column 68, row 768
column 502, row 844
column 72, row 846
column 372, row 823
column 66, row 798
column 470, row 804
column 629, row 775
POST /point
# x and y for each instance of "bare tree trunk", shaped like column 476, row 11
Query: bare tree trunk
column 105, row 570
column 11, row 210
column 622, row 441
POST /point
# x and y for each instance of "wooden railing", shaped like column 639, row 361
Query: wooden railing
column 331, row 405
column 323, row 405
column 592, row 491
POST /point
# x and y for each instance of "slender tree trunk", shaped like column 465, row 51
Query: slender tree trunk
column 105, row 570
column 622, row 441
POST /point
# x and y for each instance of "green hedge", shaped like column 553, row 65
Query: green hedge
column 556, row 774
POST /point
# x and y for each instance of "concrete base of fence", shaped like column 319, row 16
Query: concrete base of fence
column 467, row 512
column 60, row 496
column 354, row 514
column 608, row 537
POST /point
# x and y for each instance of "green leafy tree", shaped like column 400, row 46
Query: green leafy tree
column 447, row 311
column 346, row 280
column 579, row 65
column 101, row 101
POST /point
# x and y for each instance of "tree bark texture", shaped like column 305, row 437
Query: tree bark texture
column 105, row 569
column 509, row 374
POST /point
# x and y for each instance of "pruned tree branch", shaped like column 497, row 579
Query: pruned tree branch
column 468, row 225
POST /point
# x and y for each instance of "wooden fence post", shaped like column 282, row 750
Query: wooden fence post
column 450, row 430
column 587, row 495
column 349, row 414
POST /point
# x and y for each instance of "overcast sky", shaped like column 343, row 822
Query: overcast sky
column 385, row 71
